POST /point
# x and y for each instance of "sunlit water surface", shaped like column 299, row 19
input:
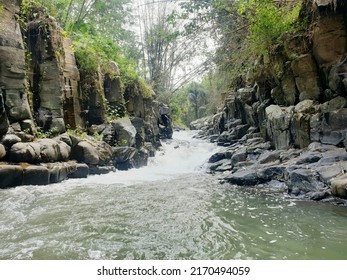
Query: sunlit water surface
column 171, row 209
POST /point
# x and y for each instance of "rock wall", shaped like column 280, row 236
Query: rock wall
column 42, row 93
column 14, row 105
column 285, row 128
column 298, row 95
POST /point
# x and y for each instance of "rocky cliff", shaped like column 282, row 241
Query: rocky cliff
column 57, row 121
column 287, row 120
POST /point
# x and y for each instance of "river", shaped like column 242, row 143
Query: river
column 171, row 209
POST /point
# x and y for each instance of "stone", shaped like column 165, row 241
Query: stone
column 99, row 170
column 270, row 156
column 304, row 180
column 271, row 173
column 334, row 156
column 64, row 151
column 85, row 152
column 334, row 127
column 300, row 130
column 4, row 124
column 317, row 196
column 339, row 188
column 306, row 77
column 289, row 90
column 125, row 132
column 328, row 172
column 217, row 157
column 104, row 152
column 48, row 150
column 308, row 158
column 239, row 155
column 245, row 178
column 60, row 171
column 2, row 152
column 329, row 38
column 123, row 154
column 35, row 175
column 334, row 104
column 278, row 125
column 10, row 176
column 81, row 171
column 215, row 165
column 25, row 152
column 10, row 139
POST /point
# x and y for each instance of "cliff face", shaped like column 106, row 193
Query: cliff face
column 286, row 125
column 14, row 106
column 43, row 93
column 298, row 95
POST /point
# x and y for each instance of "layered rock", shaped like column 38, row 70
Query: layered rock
column 14, row 106
column 295, row 102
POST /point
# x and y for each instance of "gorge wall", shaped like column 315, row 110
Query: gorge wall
column 287, row 119
column 57, row 121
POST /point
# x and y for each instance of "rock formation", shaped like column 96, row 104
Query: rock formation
column 44, row 94
column 288, row 122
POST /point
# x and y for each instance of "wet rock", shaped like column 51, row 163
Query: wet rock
column 217, row 157
column 99, row 170
column 10, row 176
column 140, row 158
column 224, row 162
column 125, row 132
column 317, row 196
column 245, row 178
column 60, row 171
column 104, row 152
column 272, row 173
column 35, row 175
column 303, row 180
column 81, row 171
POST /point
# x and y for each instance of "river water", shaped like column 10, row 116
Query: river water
column 171, row 209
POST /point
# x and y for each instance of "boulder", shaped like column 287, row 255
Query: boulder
column 270, row 156
column 303, row 181
column 10, row 139
column 125, row 132
column 217, row 157
column 104, row 152
column 339, row 188
column 245, row 178
column 278, row 125
column 2, row 152
column 334, row 127
column 25, row 152
column 35, row 175
column 239, row 155
column 10, row 176
column 81, row 171
column 64, row 151
column 48, row 150
column 85, row 152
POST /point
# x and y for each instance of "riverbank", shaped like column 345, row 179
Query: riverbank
column 246, row 159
